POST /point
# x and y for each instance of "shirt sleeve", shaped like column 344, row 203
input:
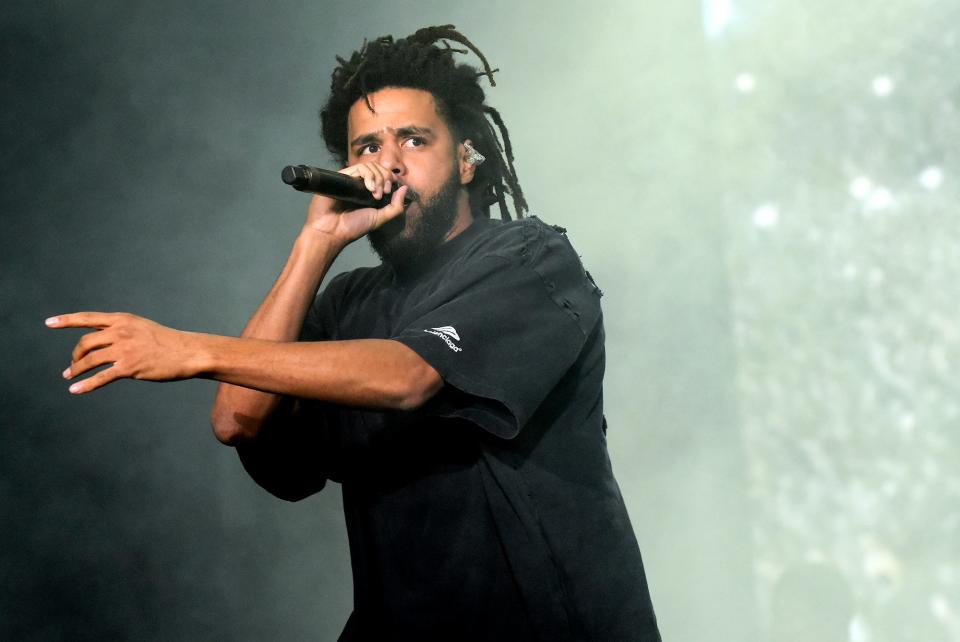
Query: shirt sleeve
column 510, row 320
column 290, row 458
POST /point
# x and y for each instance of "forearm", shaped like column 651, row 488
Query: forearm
column 372, row 373
column 279, row 318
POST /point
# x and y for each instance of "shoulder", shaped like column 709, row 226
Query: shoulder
column 533, row 243
column 521, row 239
column 529, row 241
column 533, row 246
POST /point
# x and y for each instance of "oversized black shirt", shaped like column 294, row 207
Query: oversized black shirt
column 490, row 513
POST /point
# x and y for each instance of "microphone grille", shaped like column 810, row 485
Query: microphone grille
column 292, row 175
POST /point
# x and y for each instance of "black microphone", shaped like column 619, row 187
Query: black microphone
column 346, row 189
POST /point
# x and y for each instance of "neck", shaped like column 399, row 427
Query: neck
column 464, row 215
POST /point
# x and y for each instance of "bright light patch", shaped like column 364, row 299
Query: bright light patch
column 858, row 631
column 908, row 423
column 879, row 562
column 717, row 16
column 879, row 199
column 940, row 608
column 860, row 187
column 766, row 215
column 745, row 82
column 882, row 86
column 931, row 177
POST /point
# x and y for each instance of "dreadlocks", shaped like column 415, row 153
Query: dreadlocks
column 416, row 62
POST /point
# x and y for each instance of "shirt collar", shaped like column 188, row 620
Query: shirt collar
column 442, row 254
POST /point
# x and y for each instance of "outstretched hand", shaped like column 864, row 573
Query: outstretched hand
column 134, row 348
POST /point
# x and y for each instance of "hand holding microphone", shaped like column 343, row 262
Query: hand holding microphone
column 350, row 203
column 349, row 190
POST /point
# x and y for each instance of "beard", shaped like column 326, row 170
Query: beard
column 397, row 245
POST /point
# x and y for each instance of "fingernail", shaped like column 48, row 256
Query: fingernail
column 75, row 388
column 52, row 321
column 66, row 373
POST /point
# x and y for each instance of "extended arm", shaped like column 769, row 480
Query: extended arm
column 266, row 362
column 376, row 373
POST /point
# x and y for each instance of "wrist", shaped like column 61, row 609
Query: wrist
column 317, row 240
column 315, row 251
column 203, row 353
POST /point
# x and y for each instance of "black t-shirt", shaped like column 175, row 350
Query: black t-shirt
column 490, row 513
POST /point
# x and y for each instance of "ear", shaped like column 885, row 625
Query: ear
column 467, row 170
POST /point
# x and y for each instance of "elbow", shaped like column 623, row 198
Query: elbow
column 227, row 437
column 226, row 434
column 230, row 431
column 419, row 388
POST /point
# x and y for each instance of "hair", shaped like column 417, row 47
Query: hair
column 418, row 62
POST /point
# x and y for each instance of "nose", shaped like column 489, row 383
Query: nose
column 391, row 158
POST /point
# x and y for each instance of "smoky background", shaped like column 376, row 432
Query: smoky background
column 765, row 191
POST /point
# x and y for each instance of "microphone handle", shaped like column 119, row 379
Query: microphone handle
column 346, row 189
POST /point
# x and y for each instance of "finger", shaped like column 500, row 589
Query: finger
column 84, row 320
column 93, row 360
column 377, row 169
column 91, row 341
column 392, row 209
column 367, row 174
column 98, row 380
column 385, row 175
column 377, row 178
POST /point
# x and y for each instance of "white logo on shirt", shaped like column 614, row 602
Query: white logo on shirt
column 447, row 332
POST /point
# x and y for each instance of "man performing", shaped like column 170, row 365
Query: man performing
column 454, row 391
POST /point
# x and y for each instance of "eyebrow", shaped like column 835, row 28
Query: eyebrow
column 407, row 130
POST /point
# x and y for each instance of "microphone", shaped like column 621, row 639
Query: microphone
column 346, row 189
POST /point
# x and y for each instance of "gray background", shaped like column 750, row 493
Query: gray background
column 767, row 198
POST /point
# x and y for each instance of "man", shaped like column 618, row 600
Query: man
column 454, row 391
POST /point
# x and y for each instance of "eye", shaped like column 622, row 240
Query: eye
column 415, row 141
column 372, row 148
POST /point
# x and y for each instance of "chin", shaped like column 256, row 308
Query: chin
column 424, row 225
column 410, row 217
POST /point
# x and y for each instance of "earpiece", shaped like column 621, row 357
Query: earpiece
column 473, row 156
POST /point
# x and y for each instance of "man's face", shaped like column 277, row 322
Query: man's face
column 406, row 135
